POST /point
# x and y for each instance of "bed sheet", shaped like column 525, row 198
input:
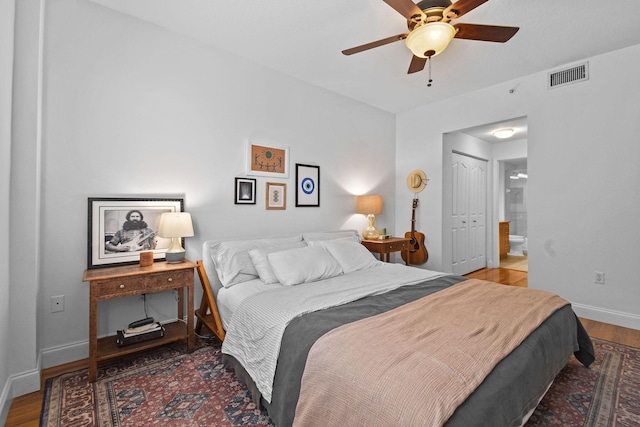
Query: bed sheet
column 229, row 299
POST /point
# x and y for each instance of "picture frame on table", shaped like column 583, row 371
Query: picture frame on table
column 307, row 185
column 276, row 196
column 119, row 229
column 245, row 191
column 265, row 159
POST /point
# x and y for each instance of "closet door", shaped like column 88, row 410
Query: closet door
column 469, row 213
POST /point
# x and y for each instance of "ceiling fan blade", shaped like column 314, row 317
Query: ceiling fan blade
column 374, row 44
column 463, row 6
column 417, row 64
column 406, row 8
column 487, row 33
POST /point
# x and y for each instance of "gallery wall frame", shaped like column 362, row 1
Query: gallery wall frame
column 265, row 159
column 119, row 229
column 307, row 185
column 245, row 191
column 276, row 196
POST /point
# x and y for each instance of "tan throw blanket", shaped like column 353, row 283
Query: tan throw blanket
column 414, row 365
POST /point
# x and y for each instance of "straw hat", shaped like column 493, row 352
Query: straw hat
column 416, row 181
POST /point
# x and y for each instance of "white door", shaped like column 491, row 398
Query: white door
column 468, row 213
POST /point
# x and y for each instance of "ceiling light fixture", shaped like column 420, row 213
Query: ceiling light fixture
column 503, row 133
column 522, row 175
column 430, row 39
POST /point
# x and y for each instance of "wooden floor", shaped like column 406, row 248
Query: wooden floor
column 25, row 410
column 515, row 262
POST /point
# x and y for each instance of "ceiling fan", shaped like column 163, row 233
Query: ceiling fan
column 430, row 30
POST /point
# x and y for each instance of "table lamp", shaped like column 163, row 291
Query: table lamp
column 175, row 225
column 369, row 205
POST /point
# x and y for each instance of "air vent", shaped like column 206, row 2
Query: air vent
column 568, row 75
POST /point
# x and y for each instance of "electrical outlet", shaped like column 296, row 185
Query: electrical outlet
column 57, row 303
column 598, row 277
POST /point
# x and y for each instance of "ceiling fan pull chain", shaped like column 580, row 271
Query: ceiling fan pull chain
column 429, row 63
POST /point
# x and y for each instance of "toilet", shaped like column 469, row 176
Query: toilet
column 517, row 245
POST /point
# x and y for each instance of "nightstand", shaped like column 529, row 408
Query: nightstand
column 387, row 246
column 123, row 281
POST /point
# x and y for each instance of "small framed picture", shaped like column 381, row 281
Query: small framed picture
column 276, row 195
column 121, row 228
column 245, row 191
column 307, row 185
column 267, row 160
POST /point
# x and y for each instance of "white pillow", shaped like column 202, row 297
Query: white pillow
column 232, row 261
column 303, row 265
column 261, row 262
column 350, row 255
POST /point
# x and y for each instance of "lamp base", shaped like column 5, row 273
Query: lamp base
column 175, row 252
column 174, row 257
column 370, row 233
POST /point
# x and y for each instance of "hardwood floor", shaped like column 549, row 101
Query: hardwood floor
column 25, row 410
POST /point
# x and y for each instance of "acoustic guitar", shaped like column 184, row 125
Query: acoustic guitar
column 417, row 254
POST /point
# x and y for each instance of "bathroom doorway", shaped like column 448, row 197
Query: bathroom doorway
column 482, row 142
column 515, row 195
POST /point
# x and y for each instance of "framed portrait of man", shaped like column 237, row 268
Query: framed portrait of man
column 121, row 228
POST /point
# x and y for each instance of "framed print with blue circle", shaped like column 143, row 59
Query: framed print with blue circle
column 307, row 185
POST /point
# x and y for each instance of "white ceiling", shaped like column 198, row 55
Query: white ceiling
column 304, row 39
column 485, row 132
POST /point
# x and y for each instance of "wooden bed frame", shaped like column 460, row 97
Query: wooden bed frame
column 208, row 314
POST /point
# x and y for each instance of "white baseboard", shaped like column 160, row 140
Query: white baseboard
column 67, row 353
column 5, row 402
column 17, row 385
column 24, row 383
column 618, row 318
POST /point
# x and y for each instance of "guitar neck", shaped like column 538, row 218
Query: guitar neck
column 413, row 218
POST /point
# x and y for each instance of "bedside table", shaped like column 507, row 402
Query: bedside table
column 387, row 246
column 123, row 281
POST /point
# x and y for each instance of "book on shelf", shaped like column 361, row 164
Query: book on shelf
column 128, row 332
column 123, row 339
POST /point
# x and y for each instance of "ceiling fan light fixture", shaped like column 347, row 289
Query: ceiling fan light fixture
column 503, row 133
column 430, row 39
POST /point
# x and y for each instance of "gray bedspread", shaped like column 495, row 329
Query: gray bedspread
column 507, row 394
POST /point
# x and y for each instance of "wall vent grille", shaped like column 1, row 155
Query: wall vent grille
column 567, row 76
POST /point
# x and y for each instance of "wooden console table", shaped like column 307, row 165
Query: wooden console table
column 123, row 281
column 387, row 246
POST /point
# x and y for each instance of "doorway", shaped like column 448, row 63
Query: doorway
column 514, row 195
column 480, row 142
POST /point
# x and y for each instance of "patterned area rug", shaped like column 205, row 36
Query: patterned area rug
column 606, row 394
column 166, row 387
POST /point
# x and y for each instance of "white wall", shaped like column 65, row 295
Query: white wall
column 583, row 213
column 131, row 109
column 25, row 199
column 7, row 10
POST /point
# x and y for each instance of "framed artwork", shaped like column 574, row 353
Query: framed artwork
column 121, row 228
column 267, row 160
column 307, row 185
column 245, row 191
column 276, row 195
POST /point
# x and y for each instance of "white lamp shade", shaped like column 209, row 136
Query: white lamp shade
column 175, row 224
column 432, row 38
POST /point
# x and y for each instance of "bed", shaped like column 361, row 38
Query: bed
column 323, row 333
